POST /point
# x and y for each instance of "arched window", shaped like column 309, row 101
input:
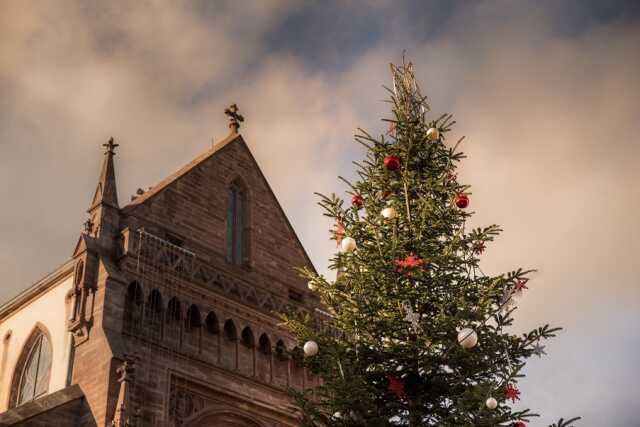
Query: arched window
column 230, row 330
column 174, row 312
column 154, row 311
column 212, row 324
column 264, row 344
column 263, row 363
column 133, row 308
column 247, row 337
column 193, row 318
column 35, row 369
column 237, row 225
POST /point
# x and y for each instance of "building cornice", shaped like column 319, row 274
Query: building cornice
column 34, row 291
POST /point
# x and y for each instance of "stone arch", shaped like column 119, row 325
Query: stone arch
column 193, row 328
column 230, row 330
column 248, row 340
column 133, row 308
column 211, row 323
column 247, row 352
column 174, row 311
column 35, row 357
column 173, row 320
column 211, row 337
column 154, row 314
column 229, row 345
column 193, row 319
column 264, row 358
column 218, row 417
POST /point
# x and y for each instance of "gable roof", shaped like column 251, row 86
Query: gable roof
column 186, row 169
column 182, row 172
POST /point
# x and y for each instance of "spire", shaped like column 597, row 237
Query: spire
column 124, row 416
column 106, row 192
column 235, row 118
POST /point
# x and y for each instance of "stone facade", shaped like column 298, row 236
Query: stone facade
column 152, row 284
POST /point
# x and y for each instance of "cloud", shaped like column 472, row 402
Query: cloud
column 546, row 96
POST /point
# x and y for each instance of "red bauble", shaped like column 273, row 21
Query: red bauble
column 392, row 163
column 520, row 424
column 357, row 200
column 462, row 201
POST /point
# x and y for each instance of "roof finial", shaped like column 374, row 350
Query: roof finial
column 110, row 147
column 88, row 226
column 235, row 118
column 124, row 415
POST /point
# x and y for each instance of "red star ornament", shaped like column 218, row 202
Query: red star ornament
column 520, row 285
column 512, row 393
column 396, row 387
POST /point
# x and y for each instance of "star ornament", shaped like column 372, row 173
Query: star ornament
column 538, row 350
column 396, row 387
column 520, row 285
column 512, row 393
column 410, row 261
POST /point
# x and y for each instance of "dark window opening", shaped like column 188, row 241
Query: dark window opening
column 236, row 226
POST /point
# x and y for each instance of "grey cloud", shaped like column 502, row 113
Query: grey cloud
column 551, row 120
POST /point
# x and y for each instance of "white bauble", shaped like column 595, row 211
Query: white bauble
column 348, row 244
column 433, row 134
column 312, row 286
column 491, row 403
column 389, row 212
column 337, row 415
column 467, row 338
column 310, row 348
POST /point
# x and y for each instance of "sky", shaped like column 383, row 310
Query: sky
column 546, row 93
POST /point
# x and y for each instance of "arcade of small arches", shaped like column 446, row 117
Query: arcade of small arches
column 205, row 335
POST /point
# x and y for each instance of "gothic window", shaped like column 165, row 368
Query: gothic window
column 36, row 368
column 153, row 314
column 212, row 323
column 263, row 362
column 230, row 330
column 281, row 350
column 193, row 318
column 174, row 320
column 174, row 312
column 264, row 344
column 247, row 337
column 237, row 232
column 133, row 308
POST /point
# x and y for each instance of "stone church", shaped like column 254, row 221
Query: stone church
column 166, row 313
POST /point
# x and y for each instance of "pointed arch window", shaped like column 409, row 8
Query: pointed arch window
column 237, row 224
column 34, row 378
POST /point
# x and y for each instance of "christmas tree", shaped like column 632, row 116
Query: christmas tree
column 419, row 334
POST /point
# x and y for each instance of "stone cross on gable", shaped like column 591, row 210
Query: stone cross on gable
column 110, row 147
column 235, row 118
